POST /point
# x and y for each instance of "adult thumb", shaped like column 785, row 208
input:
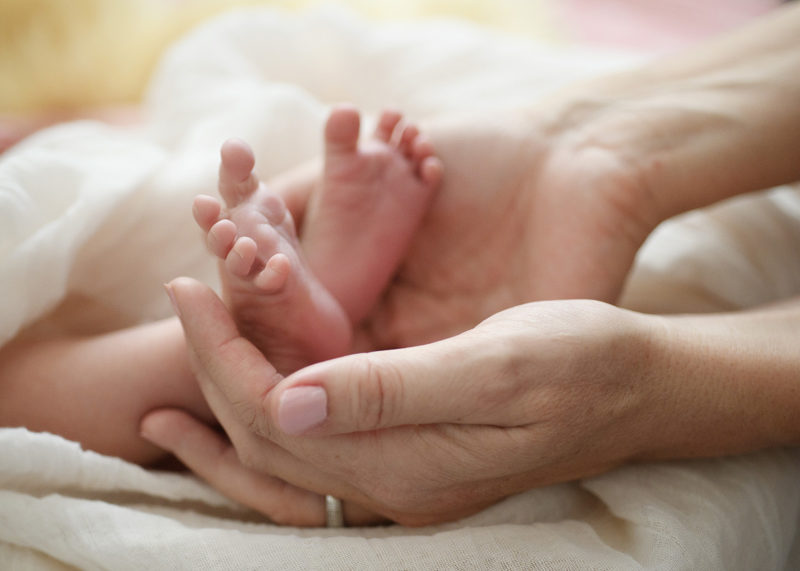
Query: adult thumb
column 449, row 381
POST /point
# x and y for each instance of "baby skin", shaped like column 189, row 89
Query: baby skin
column 298, row 298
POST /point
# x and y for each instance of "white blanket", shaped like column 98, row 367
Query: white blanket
column 102, row 216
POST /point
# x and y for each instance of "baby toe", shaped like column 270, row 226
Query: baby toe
column 406, row 141
column 275, row 274
column 431, row 171
column 387, row 123
column 206, row 211
column 241, row 257
column 221, row 237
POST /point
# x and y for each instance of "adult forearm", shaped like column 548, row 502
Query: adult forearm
column 717, row 120
column 730, row 383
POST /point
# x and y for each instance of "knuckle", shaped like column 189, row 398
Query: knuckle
column 252, row 412
column 247, row 416
column 507, row 376
column 377, row 392
column 245, row 459
column 249, row 457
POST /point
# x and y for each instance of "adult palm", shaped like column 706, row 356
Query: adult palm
column 524, row 214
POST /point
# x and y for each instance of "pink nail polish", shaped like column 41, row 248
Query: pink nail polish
column 301, row 408
column 172, row 300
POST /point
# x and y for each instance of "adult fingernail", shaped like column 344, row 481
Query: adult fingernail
column 302, row 408
column 172, row 300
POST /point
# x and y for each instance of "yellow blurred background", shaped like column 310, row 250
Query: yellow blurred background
column 69, row 54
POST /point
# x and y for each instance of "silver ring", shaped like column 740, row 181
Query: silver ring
column 333, row 512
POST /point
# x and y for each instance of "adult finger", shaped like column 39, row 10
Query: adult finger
column 209, row 455
column 212, row 457
column 235, row 376
column 236, row 379
column 465, row 379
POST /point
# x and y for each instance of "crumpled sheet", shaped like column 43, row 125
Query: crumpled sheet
column 100, row 216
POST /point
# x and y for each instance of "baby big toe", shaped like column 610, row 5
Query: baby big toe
column 236, row 179
column 341, row 130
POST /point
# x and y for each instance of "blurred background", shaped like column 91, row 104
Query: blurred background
column 59, row 57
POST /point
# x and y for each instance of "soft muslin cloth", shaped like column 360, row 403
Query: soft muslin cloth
column 102, row 217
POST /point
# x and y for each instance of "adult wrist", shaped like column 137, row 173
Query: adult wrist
column 592, row 119
column 673, row 155
column 713, row 122
column 724, row 384
column 648, row 367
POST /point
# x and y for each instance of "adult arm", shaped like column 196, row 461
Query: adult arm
column 713, row 121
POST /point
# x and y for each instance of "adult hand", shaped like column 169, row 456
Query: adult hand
column 537, row 394
column 553, row 202
column 527, row 211
column 217, row 352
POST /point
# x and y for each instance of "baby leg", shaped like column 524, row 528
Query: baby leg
column 95, row 390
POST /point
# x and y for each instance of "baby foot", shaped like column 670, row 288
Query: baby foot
column 370, row 201
column 276, row 301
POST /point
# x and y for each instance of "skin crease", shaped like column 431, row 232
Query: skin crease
column 679, row 387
